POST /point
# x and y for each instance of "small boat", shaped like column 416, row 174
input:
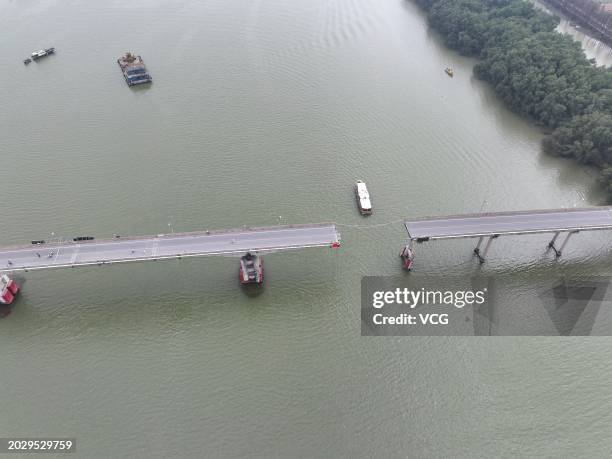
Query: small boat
column 27, row 61
column 134, row 70
column 251, row 269
column 363, row 198
column 8, row 289
column 407, row 256
column 449, row 71
column 42, row 53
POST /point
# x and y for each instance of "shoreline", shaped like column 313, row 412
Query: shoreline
column 572, row 127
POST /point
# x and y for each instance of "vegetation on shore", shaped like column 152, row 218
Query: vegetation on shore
column 537, row 71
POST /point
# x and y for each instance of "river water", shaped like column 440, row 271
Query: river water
column 264, row 112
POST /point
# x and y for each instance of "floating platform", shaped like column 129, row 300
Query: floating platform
column 167, row 246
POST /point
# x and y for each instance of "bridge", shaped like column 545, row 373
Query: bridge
column 493, row 225
column 83, row 251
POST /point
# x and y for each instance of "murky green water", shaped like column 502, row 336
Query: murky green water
column 264, row 112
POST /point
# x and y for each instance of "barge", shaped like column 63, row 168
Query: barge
column 134, row 69
column 363, row 198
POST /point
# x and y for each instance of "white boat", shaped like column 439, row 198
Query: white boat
column 363, row 198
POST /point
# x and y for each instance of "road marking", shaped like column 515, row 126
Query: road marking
column 74, row 255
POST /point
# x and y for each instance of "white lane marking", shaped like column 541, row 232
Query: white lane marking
column 75, row 254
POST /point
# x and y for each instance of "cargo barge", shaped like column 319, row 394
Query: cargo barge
column 134, row 70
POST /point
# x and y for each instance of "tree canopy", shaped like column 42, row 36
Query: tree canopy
column 537, row 71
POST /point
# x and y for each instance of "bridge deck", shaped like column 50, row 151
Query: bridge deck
column 491, row 224
column 119, row 250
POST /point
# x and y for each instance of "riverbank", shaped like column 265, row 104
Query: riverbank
column 538, row 72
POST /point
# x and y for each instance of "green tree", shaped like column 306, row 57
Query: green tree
column 537, row 71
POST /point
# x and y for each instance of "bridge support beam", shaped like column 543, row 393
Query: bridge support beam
column 481, row 256
column 551, row 244
column 559, row 251
column 477, row 249
column 565, row 241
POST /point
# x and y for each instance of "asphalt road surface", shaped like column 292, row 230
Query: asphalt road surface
column 166, row 246
column 543, row 221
